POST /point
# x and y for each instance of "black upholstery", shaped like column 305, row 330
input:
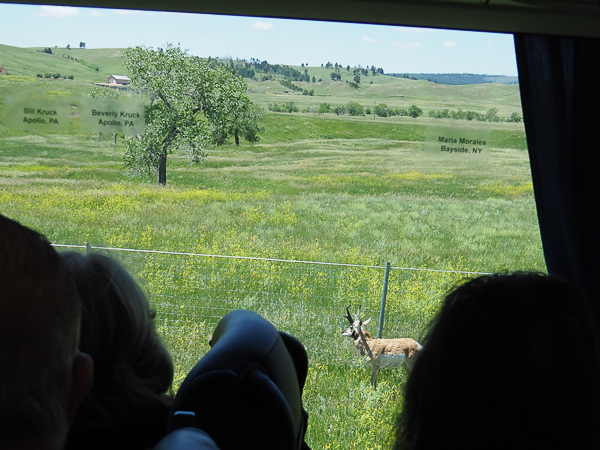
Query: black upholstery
column 247, row 391
column 187, row 439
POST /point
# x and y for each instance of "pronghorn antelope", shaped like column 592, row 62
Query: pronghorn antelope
column 380, row 352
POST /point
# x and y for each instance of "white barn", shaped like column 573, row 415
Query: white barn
column 119, row 79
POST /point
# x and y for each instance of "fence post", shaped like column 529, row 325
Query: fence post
column 383, row 297
column 88, row 248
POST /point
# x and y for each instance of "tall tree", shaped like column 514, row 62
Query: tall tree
column 178, row 88
column 193, row 106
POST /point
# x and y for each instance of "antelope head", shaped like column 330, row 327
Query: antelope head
column 355, row 322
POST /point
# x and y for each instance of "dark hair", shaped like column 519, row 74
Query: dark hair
column 510, row 361
column 133, row 371
column 39, row 334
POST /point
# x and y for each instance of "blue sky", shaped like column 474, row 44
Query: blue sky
column 282, row 41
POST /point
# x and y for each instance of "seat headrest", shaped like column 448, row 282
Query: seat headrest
column 247, row 390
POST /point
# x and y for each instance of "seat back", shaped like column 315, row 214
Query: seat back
column 246, row 392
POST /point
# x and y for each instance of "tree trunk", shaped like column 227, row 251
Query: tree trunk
column 162, row 170
column 237, row 138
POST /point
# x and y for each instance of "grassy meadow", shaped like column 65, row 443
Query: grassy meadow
column 321, row 188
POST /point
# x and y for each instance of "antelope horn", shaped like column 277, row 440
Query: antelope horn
column 349, row 316
column 357, row 317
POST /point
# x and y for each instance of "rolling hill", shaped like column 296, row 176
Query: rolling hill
column 88, row 66
column 94, row 65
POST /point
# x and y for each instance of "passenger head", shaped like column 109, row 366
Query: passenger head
column 42, row 374
column 510, row 361
column 133, row 370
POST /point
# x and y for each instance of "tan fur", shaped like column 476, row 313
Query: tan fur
column 386, row 353
column 388, row 347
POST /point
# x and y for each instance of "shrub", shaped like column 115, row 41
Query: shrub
column 288, row 107
column 515, row 117
column 381, row 110
column 291, row 107
column 414, row 111
column 324, row 108
column 276, row 108
column 442, row 114
column 355, row 109
column 397, row 112
column 492, row 115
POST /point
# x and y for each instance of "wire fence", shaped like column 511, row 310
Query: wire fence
column 191, row 292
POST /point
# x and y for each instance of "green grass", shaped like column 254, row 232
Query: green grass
column 388, row 190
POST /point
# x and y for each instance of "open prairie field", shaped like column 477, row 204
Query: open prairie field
column 354, row 191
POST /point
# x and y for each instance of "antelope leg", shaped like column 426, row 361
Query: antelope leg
column 374, row 376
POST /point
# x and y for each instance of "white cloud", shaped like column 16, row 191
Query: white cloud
column 96, row 13
column 57, row 12
column 416, row 30
column 490, row 44
column 406, row 44
column 368, row 39
column 449, row 44
column 263, row 25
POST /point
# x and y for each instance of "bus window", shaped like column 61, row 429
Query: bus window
column 273, row 165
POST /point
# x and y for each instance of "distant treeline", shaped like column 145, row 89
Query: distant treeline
column 253, row 68
column 490, row 116
column 351, row 108
column 458, row 78
column 262, row 70
column 55, row 76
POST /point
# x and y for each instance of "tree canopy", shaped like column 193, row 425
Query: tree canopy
column 193, row 106
column 232, row 113
column 414, row 111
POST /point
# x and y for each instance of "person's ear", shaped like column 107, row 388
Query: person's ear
column 82, row 376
